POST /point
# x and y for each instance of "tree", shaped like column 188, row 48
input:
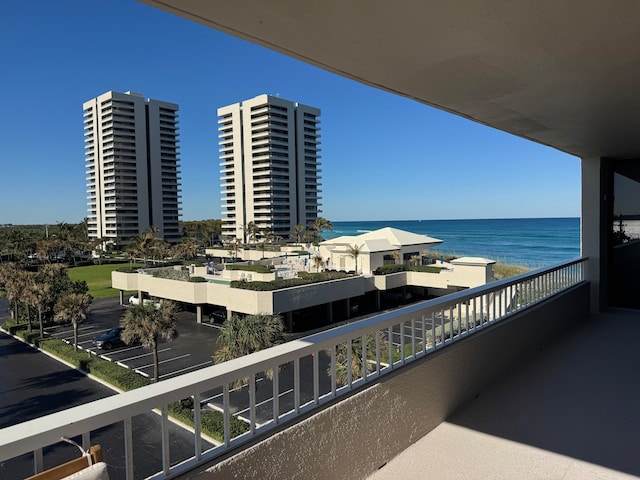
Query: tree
column 148, row 324
column 354, row 252
column 317, row 262
column 143, row 244
column 234, row 246
column 298, row 230
column 396, row 256
column 320, row 224
column 342, row 359
column 73, row 308
column 10, row 276
column 41, row 294
column 242, row 336
column 252, row 230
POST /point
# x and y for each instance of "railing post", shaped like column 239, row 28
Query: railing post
column 252, row 403
column 225, row 414
column 333, row 370
column 197, row 428
column 296, row 384
column 363, row 351
column 402, row 359
column 128, row 449
column 413, row 337
column 166, row 459
column 316, row 378
column 38, row 461
column 276, row 394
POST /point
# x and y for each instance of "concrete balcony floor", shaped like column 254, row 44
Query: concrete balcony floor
column 571, row 412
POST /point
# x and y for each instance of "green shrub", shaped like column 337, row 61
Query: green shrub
column 395, row 268
column 212, row 422
column 391, row 268
column 116, row 375
column 304, row 278
column 198, row 280
column 425, row 268
column 127, row 270
column 172, row 274
column 256, row 268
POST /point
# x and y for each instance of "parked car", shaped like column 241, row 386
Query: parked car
column 218, row 316
column 110, row 339
column 133, row 300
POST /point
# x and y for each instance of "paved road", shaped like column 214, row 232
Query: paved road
column 33, row 385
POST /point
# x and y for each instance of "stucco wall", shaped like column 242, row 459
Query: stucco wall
column 354, row 437
column 318, row 293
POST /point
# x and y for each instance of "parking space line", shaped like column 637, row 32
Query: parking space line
column 186, row 369
column 144, row 355
column 167, row 360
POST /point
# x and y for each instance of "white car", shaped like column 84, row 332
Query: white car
column 134, row 300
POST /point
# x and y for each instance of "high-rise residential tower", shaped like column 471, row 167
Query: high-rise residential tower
column 269, row 165
column 132, row 166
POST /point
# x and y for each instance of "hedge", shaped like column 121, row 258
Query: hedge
column 395, row 268
column 198, row 280
column 256, row 268
column 304, row 278
column 212, row 422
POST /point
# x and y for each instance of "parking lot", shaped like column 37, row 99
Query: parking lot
column 191, row 350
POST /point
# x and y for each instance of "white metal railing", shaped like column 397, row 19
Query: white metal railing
column 297, row 376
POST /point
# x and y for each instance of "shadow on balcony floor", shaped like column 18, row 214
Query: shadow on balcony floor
column 572, row 412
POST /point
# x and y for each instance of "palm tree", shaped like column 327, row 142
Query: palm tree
column 396, row 256
column 234, row 246
column 42, row 294
column 320, row 224
column 10, row 281
column 148, row 324
column 317, row 261
column 73, row 308
column 299, row 230
column 354, row 252
column 29, row 295
column 242, row 336
column 342, row 359
column 252, row 231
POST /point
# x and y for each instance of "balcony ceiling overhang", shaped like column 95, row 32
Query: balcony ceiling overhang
column 564, row 74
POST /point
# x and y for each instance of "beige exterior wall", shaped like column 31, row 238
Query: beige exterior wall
column 132, row 177
column 289, row 299
column 269, row 159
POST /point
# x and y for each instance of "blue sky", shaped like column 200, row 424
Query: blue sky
column 384, row 157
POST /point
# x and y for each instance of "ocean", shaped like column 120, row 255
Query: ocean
column 532, row 242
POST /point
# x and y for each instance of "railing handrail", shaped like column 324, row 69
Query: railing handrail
column 41, row 432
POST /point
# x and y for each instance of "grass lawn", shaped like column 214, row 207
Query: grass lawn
column 98, row 278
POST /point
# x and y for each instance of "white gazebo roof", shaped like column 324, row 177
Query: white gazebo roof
column 472, row 261
column 383, row 240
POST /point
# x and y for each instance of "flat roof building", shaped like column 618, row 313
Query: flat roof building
column 132, row 167
column 269, row 166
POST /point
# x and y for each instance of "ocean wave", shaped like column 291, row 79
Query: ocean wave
column 364, row 231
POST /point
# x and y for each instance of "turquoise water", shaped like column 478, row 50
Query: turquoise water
column 534, row 242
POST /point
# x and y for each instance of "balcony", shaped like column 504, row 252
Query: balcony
column 570, row 411
column 444, row 353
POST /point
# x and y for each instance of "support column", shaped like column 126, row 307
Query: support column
column 594, row 204
column 121, row 297
column 348, row 303
column 330, row 312
column 198, row 313
column 378, row 303
column 289, row 320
